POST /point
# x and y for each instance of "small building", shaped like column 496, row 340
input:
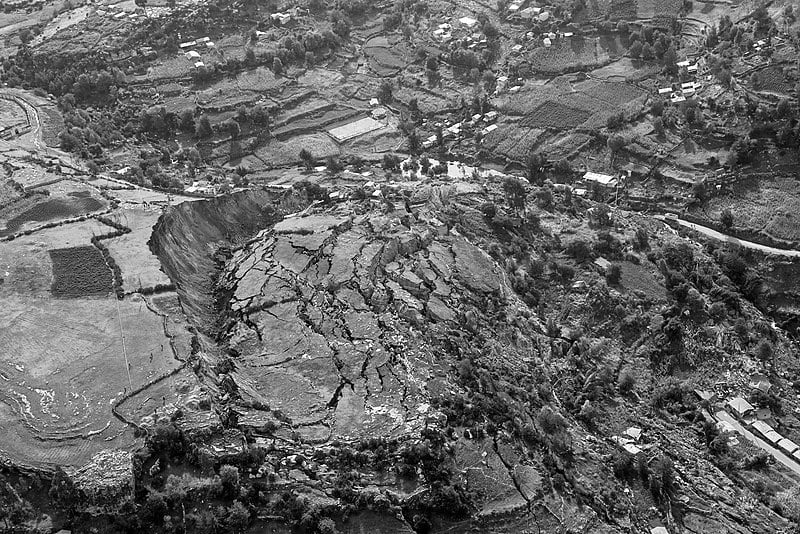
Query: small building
column 547, row 42
column 634, row 433
column 796, row 456
column 740, row 407
column 489, row 129
column 788, row 446
column 762, row 428
column 210, row 44
column 692, row 68
column 516, row 48
column 490, row 116
column 281, row 18
column 192, row 55
column 687, row 85
column 665, row 91
column 603, row 264
column 379, row 113
column 688, row 92
column 543, row 16
column 682, row 64
column 567, row 35
column 676, row 98
column 203, row 40
column 659, row 530
column 374, row 102
column 199, row 65
column 604, row 180
column 469, row 22
column 515, row 89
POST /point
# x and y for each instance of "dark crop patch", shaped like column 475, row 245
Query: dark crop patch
column 80, row 272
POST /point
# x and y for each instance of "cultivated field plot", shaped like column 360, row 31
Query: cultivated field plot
column 561, row 105
column 176, row 67
column 33, row 176
column 610, row 92
column 62, row 381
column 387, row 55
column 555, row 115
column 277, row 153
column 11, row 114
column 355, row 129
column 261, row 80
column 25, row 264
column 80, row 272
column 514, row 142
column 140, row 267
column 647, row 9
column 773, row 80
column 575, row 54
column 49, row 209
column 772, row 207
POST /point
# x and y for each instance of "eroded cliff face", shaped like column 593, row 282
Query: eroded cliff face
column 187, row 237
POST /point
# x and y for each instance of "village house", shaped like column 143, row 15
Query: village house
column 603, row 180
column 740, row 407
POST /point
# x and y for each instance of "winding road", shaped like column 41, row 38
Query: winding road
column 710, row 232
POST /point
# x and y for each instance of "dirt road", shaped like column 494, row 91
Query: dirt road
column 733, row 240
column 758, row 442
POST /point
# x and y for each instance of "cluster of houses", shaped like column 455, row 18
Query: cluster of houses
column 518, row 10
column 686, row 89
column 189, row 49
column 756, row 419
column 455, row 130
column 282, row 18
column 466, row 28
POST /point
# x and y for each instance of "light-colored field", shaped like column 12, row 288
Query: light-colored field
column 140, row 267
column 63, row 365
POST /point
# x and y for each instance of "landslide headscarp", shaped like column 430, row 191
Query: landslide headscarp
column 187, row 237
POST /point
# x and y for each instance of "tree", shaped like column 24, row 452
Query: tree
column 613, row 274
column 635, row 50
column 579, row 249
column 204, row 129
column 186, row 121
column 307, row 158
column 658, row 126
column 229, row 478
column 238, row 517
column 277, row 66
column 615, row 143
column 647, row 52
column 515, row 193
column 489, row 210
column 385, row 92
column 233, row 128
column 726, row 218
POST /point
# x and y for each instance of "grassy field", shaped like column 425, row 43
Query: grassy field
column 63, row 379
column 140, row 268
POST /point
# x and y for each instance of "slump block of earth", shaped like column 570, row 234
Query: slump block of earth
column 325, row 317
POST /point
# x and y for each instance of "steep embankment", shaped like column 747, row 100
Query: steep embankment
column 187, row 238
